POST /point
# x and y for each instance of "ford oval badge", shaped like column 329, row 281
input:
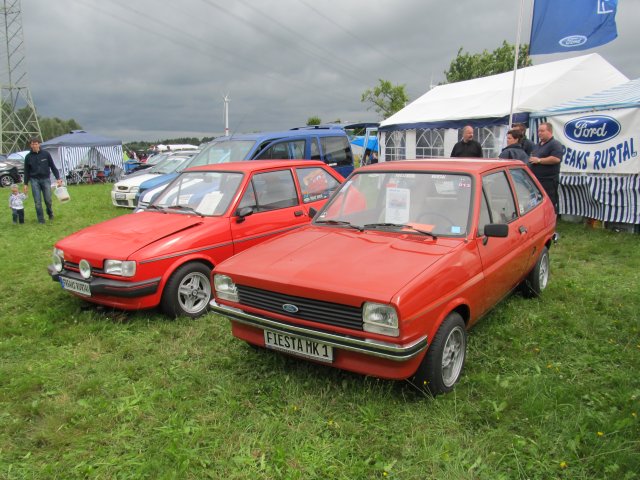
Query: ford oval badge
column 592, row 129
column 287, row 307
column 573, row 41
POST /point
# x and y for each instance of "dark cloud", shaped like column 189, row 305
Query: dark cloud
column 149, row 69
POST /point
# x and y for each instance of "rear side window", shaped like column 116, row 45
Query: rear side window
column 315, row 184
column 526, row 190
column 337, row 151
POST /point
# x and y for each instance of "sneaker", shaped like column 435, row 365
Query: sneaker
column 51, row 218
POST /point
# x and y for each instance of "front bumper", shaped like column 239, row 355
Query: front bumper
column 112, row 288
column 374, row 348
column 126, row 199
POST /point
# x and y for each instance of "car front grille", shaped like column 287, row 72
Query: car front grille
column 308, row 309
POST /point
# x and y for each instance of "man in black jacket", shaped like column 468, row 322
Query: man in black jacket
column 467, row 147
column 38, row 166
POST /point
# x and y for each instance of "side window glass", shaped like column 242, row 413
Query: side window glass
column 337, row 151
column 315, row 184
column 315, row 150
column 284, row 150
column 526, row 190
column 275, row 190
column 485, row 217
column 499, row 197
column 249, row 197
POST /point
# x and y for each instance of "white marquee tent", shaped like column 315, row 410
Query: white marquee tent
column 428, row 127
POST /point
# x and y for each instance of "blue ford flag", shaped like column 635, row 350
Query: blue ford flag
column 568, row 25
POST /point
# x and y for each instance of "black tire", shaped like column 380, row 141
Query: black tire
column 538, row 277
column 188, row 291
column 443, row 363
column 6, row 180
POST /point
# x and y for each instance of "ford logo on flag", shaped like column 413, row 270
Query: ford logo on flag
column 592, row 129
column 287, row 307
column 573, row 41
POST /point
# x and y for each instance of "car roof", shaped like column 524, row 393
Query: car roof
column 261, row 136
column 253, row 165
column 466, row 165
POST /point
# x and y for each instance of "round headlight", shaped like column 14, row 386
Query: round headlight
column 57, row 262
column 85, row 269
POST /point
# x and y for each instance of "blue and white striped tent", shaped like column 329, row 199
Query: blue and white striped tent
column 625, row 95
column 81, row 148
column 613, row 198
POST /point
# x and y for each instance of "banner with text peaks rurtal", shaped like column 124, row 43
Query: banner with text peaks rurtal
column 571, row 25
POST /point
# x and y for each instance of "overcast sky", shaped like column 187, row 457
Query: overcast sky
column 154, row 69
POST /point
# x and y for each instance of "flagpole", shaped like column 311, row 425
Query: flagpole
column 515, row 63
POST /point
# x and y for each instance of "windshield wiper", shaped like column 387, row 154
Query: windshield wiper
column 341, row 222
column 153, row 206
column 185, row 208
column 399, row 225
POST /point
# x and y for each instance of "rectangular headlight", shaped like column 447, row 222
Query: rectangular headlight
column 124, row 268
column 225, row 288
column 379, row 318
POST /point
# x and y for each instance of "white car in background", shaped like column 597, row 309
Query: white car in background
column 124, row 192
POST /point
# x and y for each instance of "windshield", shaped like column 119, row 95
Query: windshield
column 203, row 193
column 168, row 165
column 414, row 202
column 222, row 151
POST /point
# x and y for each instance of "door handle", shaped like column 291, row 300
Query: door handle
column 522, row 229
column 298, row 213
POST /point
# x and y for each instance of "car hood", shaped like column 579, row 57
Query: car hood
column 338, row 263
column 121, row 237
column 136, row 180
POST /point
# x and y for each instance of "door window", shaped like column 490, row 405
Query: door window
column 499, row 197
column 526, row 190
column 270, row 191
column 284, row 150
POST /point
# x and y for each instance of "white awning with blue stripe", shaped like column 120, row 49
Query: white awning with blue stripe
column 625, row 95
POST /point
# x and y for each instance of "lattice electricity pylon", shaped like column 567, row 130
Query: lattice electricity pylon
column 18, row 117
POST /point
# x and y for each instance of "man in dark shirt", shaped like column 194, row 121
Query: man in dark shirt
column 467, row 147
column 38, row 166
column 545, row 162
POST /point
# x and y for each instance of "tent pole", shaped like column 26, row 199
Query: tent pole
column 515, row 63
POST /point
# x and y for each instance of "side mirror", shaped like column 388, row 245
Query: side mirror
column 496, row 230
column 243, row 212
column 312, row 212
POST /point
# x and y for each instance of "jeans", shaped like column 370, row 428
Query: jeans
column 41, row 187
column 18, row 215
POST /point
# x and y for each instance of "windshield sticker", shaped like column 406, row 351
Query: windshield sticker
column 397, row 205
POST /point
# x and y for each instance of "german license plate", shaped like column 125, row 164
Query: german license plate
column 120, row 196
column 302, row 347
column 75, row 286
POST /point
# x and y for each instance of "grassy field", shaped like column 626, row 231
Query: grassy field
column 551, row 388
